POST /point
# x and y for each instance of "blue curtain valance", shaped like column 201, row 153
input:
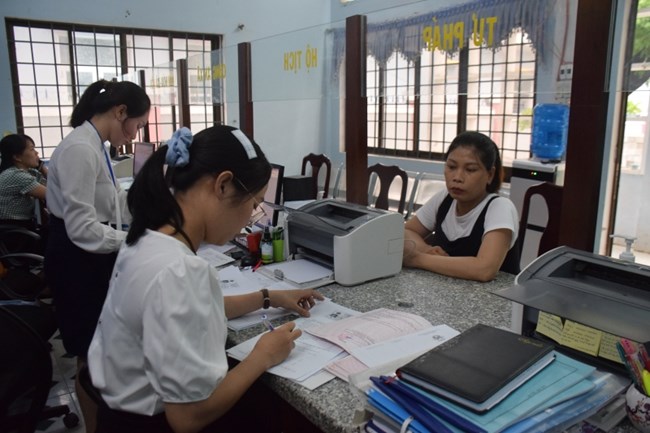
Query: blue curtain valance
column 405, row 36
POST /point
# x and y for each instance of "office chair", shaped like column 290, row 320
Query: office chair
column 316, row 162
column 425, row 186
column 386, row 175
column 19, row 268
column 25, row 377
column 552, row 195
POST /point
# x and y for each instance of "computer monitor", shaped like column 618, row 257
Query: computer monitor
column 141, row 152
column 272, row 197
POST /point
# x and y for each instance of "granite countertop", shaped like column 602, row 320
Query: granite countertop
column 441, row 300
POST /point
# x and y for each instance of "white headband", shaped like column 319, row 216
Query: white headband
column 248, row 146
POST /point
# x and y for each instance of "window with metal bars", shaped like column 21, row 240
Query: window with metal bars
column 416, row 108
column 53, row 63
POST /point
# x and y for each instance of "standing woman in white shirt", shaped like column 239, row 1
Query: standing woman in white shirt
column 86, row 205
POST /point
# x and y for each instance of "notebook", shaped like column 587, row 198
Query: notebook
column 479, row 367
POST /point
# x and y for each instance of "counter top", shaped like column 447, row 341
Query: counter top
column 441, row 300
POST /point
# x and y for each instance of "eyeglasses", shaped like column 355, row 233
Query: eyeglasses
column 258, row 210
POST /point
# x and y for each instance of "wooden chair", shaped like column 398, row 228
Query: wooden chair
column 386, row 175
column 316, row 162
column 552, row 196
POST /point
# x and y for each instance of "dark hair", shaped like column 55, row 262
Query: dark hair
column 10, row 146
column 213, row 151
column 103, row 95
column 486, row 150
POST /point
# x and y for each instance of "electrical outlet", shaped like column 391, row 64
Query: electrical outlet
column 566, row 71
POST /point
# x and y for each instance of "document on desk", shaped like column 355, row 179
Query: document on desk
column 214, row 254
column 301, row 273
column 385, row 352
column 311, row 354
column 235, row 282
column 370, row 328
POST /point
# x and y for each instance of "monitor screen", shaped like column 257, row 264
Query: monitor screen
column 273, row 196
column 141, row 152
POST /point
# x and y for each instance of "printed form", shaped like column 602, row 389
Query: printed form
column 311, row 354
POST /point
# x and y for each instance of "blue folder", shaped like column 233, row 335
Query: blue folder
column 562, row 379
column 394, row 411
column 425, row 410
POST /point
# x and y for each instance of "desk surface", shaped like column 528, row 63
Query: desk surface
column 441, row 300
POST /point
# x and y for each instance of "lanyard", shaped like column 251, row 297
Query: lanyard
column 108, row 163
column 108, row 160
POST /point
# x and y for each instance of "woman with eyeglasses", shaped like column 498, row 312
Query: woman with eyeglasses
column 87, row 210
column 158, row 355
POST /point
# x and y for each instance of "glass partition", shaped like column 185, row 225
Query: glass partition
column 293, row 66
column 161, row 85
column 206, row 81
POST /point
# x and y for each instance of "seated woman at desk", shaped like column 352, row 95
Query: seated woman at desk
column 158, row 354
column 467, row 231
column 23, row 177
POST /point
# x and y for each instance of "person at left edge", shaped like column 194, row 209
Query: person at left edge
column 87, row 209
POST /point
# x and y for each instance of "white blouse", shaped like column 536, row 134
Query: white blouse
column 162, row 332
column 502, row 214
column 81, row 191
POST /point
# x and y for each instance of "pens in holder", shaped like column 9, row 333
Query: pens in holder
column 267, row 323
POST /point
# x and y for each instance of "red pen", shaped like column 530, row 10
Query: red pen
column 259, row 263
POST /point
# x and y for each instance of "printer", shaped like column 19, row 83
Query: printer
column 359, row 243
column 599, row 293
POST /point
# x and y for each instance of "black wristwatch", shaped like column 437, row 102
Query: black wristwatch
column 267, row 299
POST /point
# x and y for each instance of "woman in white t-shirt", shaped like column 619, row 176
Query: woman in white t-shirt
column 467, row 231
column 158, row 354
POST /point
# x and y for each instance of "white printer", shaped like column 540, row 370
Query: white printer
column 359, row 243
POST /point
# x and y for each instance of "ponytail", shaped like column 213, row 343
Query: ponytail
column 103, row 95
column 150, row 200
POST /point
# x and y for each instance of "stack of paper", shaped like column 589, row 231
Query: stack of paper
column 334, row 333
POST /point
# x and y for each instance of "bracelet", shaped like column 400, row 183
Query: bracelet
column 267, row 299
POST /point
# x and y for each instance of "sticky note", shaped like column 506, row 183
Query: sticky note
column 608, row 348
column 550, row 325
column 581, row 337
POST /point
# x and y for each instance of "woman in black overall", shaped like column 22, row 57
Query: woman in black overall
column 467, row 231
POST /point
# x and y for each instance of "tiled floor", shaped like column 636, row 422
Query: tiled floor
column 62, row 391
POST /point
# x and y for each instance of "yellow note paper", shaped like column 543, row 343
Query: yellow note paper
column 581, row 337
column 608, row 348
column 549, row 325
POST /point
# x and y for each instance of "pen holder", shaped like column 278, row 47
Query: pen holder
column 253, row 242
column 637, row 406
column 278, row 250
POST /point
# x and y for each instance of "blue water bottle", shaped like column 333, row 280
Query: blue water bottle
column 550, row 131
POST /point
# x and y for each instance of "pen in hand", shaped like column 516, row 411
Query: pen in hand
column 267, row 323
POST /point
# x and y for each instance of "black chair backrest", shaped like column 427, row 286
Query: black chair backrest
column 317, row 161
column 386, row 175
column 552, row 195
